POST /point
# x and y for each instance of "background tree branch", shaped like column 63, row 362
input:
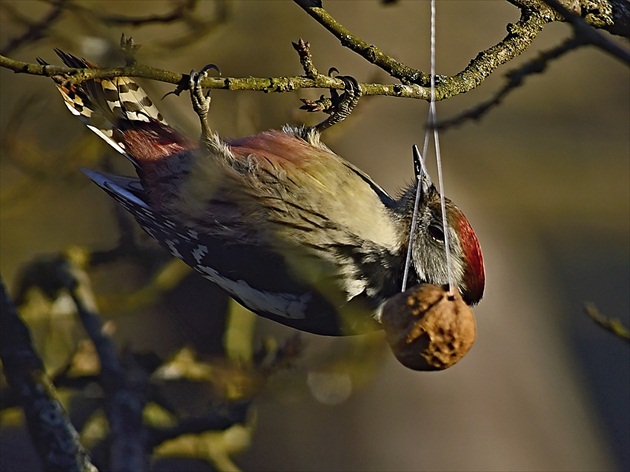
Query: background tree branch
column 535, row 15
column 512, row 145
column 53, row 435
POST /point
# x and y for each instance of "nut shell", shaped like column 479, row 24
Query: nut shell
column 428, row 328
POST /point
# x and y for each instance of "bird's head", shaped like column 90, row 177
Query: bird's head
column 428, row 247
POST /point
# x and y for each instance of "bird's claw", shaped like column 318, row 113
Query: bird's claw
column 343, row 103
column 200, row 99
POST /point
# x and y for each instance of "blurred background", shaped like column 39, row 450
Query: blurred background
column 544, row 179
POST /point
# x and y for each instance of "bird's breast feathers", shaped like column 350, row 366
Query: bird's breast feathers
column 285, row 184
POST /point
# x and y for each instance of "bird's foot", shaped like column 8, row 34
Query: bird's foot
column 200, row 99
column 342, row 104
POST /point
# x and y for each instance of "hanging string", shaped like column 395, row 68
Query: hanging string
column 414, row 222
column 438, row 155
column 431, row 122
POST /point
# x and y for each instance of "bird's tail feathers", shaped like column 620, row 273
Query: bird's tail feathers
column 109, row 107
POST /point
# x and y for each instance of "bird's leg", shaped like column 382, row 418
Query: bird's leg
column 200, row 100
column 342, row 104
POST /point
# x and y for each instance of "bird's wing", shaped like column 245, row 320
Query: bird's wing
column 259, row 277
column 277, row 190
column 303, row 194
column 306, row 183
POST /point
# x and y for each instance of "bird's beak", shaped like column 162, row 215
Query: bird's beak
column 421, row 171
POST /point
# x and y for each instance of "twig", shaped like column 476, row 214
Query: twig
column 306, row 59
column 370, row 52
column 36, row 30
column 217, row 419
column 613, row 326
column 610, row 15
column 520, row 36
column 261, row 84
column 535, row 14
column 589, row 34
column 54, row 437
column 73, row 75
column 177, row 13
column 199, row 28
column 124, row 394
column 515, row 79
column 184, row 12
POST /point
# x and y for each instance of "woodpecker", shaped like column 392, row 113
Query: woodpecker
column 280, row 222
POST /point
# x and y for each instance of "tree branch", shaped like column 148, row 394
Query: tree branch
column 515, row 79
column 613, row 326
column 125, row 394
column 520, row 36
column 589, row 34
column 535, row 14
column 610, row 15
column 36, row 30
column 260, row 84
column 217, row 419
column 53, row 435
column 176, row 13
column 370, row 52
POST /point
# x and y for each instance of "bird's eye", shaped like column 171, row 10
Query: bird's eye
column 436, row 233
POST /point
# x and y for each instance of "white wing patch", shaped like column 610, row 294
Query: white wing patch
column 199, row 252
column 172, row 246
column 104, row 181
column 287, row 305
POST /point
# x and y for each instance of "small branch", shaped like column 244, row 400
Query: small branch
column 217, row 419
column 306, row 59
column 124, row 388
column 371, row 53
column 515, row 79
column 589, row 34
column 610, row 15
column 613, row 326
column 260, row 84
column 74, row 76
column 124, row 395
column 36, row 30
column 197, row 28
column 520, row 36
column 53, row 435
column 177, row 13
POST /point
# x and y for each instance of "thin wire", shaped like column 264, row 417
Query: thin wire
column 414, row 222
column 432, row 119
column 447, row 247
column 416, row 205
column 438, row 156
